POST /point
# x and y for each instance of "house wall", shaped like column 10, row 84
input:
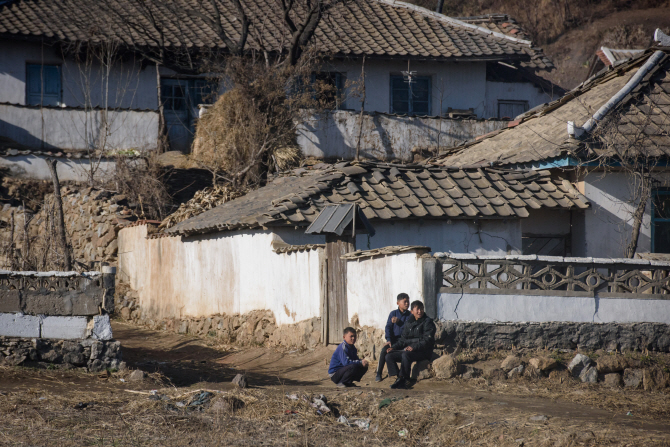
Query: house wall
column 34, row 167
column 459, row 85
column 334, row 135
column 492, row 237
column 78, row 129
column 233, row 272
column 129, row 85
column 374, row 283
column 607, row 226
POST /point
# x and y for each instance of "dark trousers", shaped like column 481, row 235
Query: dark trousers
column 382, row 360
column 350, row 373
column 406, row 358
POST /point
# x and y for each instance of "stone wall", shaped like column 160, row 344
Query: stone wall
column 256, row 328
column 93, row 219
column 93, row 355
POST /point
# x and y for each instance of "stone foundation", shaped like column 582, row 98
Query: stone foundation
column 584, row 336
column 94, row 355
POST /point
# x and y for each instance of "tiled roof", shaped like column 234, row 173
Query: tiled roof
column 541, row 134
column 370, row 27
column 504, row 24
column 389, row 192
column 610, row 56
column 385, row 251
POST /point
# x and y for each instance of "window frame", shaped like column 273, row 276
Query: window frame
column 340, row 81
column 513, row 102
column 654, row 220
column 410, row 102
column 57, row 97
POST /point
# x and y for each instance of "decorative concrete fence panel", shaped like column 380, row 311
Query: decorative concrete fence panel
column 543, row 289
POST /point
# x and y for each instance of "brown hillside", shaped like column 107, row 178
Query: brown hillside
column 570, row 31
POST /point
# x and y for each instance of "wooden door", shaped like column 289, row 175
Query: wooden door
column 337, row 317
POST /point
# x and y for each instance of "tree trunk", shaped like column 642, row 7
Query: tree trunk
column 60, row 218
column 162, row 142
column 638, row 216
column 440, row 5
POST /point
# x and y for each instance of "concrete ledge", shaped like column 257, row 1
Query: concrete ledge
column 65, row 328
column 19, row 325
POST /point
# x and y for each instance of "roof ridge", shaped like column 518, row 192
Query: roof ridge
column 452, row 21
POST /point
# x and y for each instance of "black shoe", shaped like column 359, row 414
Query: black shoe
column 400, row 383
column 351, row 385
column 378, row 378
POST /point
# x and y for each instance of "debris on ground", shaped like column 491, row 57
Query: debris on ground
column 386, row 402
column 240, row 380
column 539, row 418
column 355, row 422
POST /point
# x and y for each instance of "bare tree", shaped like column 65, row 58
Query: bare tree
column 67, row 261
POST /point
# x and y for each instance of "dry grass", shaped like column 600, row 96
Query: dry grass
column 114, row 417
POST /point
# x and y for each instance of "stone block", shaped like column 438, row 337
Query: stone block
column 578, row 363
column 613, row 380
column 510, row 362
column 632, row 378
column 654, row 379
column 10, row 301
column 610, row 364
column 445, row 367
column 543, row 364
column 589, row 374
column 421, row 370
column 516, row 372
column 100, row 328
column 19, row 325
column 66, row 328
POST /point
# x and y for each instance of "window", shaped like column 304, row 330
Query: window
column 660, row 221
column 508, row 109
column 334, row 96
column 410, row 98
column 173, row 95
column 43, row 85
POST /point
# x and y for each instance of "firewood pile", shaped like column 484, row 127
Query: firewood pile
column 202, row 201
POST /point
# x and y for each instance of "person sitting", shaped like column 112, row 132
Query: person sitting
column 345, row 366
column 415, row 344
column 394, row 326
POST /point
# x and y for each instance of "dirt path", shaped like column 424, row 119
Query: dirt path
column 188, row 361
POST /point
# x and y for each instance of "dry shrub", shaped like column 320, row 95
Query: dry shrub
column 142, row 182
column 251, row 129
column 203, row 200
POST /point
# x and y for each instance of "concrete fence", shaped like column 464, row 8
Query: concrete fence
column 56, row 305
column 385, row 137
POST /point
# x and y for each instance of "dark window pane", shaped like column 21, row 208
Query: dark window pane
column 420, row 108
column 401, row 107
column 662, row 206
column 401, row 95
column 178, row 104
column 662, row 237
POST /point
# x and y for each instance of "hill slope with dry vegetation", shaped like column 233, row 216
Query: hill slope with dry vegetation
column 570, row 31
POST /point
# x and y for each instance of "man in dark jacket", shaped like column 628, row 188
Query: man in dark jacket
column 394, row 327
column 415, row 344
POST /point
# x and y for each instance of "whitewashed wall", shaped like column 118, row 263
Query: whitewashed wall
column 233, row 272
column 130, row 85
column 374, row 283
column 385, row 137
column 34, row 167
column 64, row 128
column 515, row 91
column 490, row 237
column 544, row 308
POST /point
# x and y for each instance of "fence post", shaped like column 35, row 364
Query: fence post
column 431, row 273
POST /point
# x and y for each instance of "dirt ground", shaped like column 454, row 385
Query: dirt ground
column 188, row 399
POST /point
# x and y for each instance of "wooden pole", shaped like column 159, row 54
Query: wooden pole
column 60, row 218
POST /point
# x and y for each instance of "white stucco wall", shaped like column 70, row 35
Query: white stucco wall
column 34, row 167
column 491, row 237
column 516, row 91
column 385, row 137
column 129, row 86
column 78, row 129
column 233, row 272
column 374, row 283
column 540, row 308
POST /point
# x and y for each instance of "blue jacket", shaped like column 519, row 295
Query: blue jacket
column 344, row 355
column 394, row 330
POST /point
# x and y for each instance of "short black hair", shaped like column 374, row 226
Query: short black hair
column 402, row 296
column 348, row 330
column 418, row 304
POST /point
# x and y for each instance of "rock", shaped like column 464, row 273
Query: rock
column 654, row 379
column 515, row 372
column 75, row 358
column 421, row 370
column 125, row 313
column 137, row 376
column 543, row 364
column 471, row 372
column 610, row 364
column 578, row 363
column 632, row 378
column 96, row 366
column 613, row 380
column 539, row 418
column 183, row 327
column 498, row 375
column 51, row 356
column 510, row 362
column 240, row 380
column 446, row 367
column 589, row 374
